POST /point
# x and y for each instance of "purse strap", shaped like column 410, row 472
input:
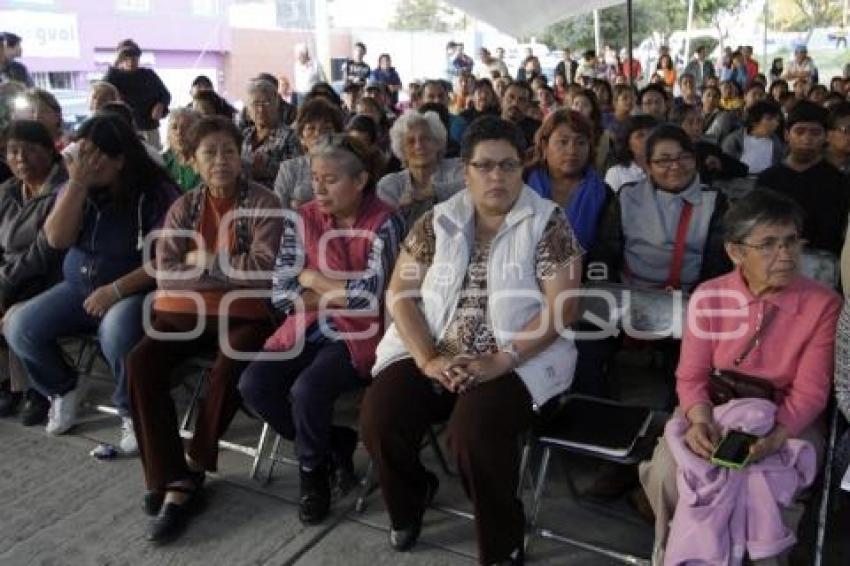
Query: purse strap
column 765, row 321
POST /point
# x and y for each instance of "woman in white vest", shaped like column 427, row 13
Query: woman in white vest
column 482, row 286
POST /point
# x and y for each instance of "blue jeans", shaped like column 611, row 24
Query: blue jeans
column 33, row 332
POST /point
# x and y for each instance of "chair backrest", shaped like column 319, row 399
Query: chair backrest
column 646, row 314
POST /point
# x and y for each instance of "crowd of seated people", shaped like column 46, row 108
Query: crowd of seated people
column 418, row 247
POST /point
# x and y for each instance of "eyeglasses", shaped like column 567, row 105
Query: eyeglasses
column 505, row 166
column 667, row 162
column 842, row 129
column 770, row 246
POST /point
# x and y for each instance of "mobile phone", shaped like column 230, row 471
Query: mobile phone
column 734, row 450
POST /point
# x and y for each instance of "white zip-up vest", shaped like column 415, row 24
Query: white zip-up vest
column 514, row 295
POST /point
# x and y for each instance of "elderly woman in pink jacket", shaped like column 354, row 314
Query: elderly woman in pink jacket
column 768, row 332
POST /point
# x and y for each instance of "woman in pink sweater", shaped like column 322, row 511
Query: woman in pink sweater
column 762, row 320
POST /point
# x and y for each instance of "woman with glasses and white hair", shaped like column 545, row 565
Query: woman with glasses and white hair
column 419, row 141
column 757, row 356
column 330, row 291
column 478, row 347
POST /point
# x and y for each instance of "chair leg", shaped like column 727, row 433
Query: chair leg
column 538, row 497
column 273, row 457
column 524, row 464
column 258, row 453
column 193, row 403
column 367, row 485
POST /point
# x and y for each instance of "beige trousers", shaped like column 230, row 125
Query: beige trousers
column 658, row 478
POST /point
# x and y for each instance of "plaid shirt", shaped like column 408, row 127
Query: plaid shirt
column 280, row 145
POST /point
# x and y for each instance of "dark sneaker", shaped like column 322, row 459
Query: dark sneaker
column 9, row 402
column 315, row 502
column 34, row 411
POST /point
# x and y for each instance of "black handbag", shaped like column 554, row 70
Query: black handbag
column 725, row 385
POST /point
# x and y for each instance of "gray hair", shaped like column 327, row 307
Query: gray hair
column 759, row 207
column 339, row 148
column 263, row 87
column 184, row 112
column 410, row 119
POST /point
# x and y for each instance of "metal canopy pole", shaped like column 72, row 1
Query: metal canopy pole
column 629, row 40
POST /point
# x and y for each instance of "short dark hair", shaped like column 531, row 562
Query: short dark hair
column 361, row 45
column 212, row 125
column 268, row 77
column 365, row 124
column 634, row 124
column 668, row 132
column 523, row 85
column 836, row 113
column 762, row 206
column 120, row 109
column 10, row 39
column 202, row 80
column 318, row 110
column 758, row 111
column 652, row 87
column 32, row 131
column 326, row 91
column 806, row 111
column 129, row 48
column 491, row 128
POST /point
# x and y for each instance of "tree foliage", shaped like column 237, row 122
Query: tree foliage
column 431, row 15
column 648, row 16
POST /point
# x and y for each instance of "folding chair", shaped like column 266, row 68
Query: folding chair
column 563, row 433
column 204, row 365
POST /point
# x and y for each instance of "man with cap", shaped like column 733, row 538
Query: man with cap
column 356, row 70
column 11, row 70
column 817, row 186
column 800, row 67
column 141, row 89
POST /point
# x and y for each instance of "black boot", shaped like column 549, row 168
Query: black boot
column 315, row 502
column 343, row 445
column 9, row 401
column 35, row 408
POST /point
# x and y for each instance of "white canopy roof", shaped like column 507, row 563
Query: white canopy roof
column 524, row 17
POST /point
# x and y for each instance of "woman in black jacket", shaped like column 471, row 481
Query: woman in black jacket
column 27, row 264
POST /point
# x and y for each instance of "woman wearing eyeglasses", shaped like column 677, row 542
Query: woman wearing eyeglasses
column 419, row 142
column 664, row 231
column 476, row 310
column 328, row 282
column 768, row 334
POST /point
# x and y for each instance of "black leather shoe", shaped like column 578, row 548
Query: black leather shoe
column 9, row 402
column 343, row 445
column 173, row 518
column 315, row 502
column 35, row 408
column 403, row 539
column 516, row 559
column 152, row 502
